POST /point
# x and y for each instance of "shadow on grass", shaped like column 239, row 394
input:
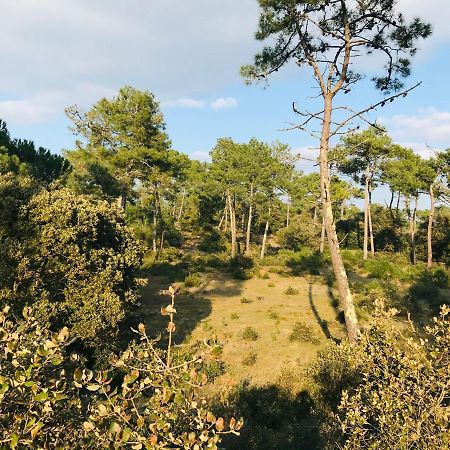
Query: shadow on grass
column 275, row 419
column 322, row 323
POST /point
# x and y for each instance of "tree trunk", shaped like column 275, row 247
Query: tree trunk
column 366, row 217
column 345, row 294
column 266, row 229
column 232, row 225
column 225, row 228
column 412, row 228
column 122, row 199
column 180, row 212
column 315, row 214
column 249, row 223
column 430, row 229
column 369, row 218
column 322, row 237
column 155, row 224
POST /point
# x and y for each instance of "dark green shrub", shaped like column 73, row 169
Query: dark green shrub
column 193, row 280
column 212, row 242
column 246, row 300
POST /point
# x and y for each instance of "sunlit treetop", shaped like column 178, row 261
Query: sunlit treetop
column 328, row 34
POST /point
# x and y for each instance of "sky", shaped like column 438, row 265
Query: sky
column 57, row 53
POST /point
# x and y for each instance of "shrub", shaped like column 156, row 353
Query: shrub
column 212, row 242
column 291, row 291
column 193, row 280
column 214, row 369
column 303, row 333
column 75, row 260
column 245, row 300
column 402, row 399
column 250, row 334
column 141, row 401
column 240, row 267
column 250, row 359
column 234, row 316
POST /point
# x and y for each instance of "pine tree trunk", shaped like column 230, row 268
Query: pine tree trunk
column 412, row 228
column 430, row 229
column 266, row 229
column 122, row 199
column 366, row 218
column 322, row 237
column 155, row 224
column 369, row 218
column 345, row 294
column 180, row 212
column 232, row 225
column 249, row 223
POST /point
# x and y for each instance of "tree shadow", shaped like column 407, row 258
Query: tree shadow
column 322, row 323
column 191, row 310
column 275, row 419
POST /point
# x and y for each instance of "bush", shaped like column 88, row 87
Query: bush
column 240, row 267
column 212, row 242
column 193, row 280
column 303, row 333
column 250, row 334
column 245, row 300
column 291, row 291
column 75, row 260
column 402, row 399
column 250, row 359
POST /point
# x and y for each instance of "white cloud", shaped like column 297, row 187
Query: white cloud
column 428, row 127
column 224, row 103
column 184, row 102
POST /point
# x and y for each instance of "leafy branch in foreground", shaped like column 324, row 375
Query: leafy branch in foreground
column 141, row 401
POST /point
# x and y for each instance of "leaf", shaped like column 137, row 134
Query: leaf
column 35, row 430
column 88, row 426
column 170, row 309
column 93, row 387
column 115, row 428
column 41, row 397
column 141, row 328
column 171, row 327
column 220, row 424
column 63, row 334
column 14, row 441
column 164, row 311
column 210, row 417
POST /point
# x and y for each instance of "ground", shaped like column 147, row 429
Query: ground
column 223, row 308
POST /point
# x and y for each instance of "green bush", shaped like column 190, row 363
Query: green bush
column 250, row 334
column 75, row 259
column 303, row 333
column 245, row 300
column 212, row 242
column 402, row 399
column 193, row 280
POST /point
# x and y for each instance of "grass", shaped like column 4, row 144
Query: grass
column 250, row 359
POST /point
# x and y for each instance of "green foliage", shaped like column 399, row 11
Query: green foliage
column 212, row 242
column 240, row 267
column 250, row 334
column 234, row 316
column 74, row 259
column 401, row 400
column 214, row 369
column 48, row 401
column 193, row 280
column 245, row 300
column 302, row 332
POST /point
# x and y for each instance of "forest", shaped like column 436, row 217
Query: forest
column 152, row 301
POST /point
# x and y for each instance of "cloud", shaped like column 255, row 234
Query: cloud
column 184, row 102
column 224, row 103
column 152, row 44
column 428, row 127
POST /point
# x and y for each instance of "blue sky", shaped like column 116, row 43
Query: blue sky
column 62, row 52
